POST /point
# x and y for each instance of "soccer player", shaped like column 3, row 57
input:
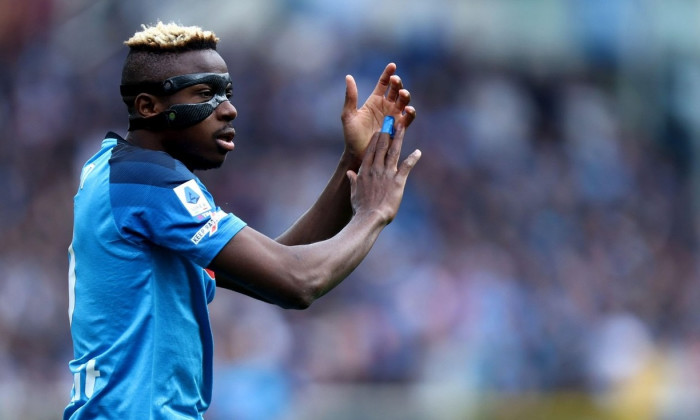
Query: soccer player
column 150, row 244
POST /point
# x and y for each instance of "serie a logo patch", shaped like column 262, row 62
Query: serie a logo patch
column 191, row 196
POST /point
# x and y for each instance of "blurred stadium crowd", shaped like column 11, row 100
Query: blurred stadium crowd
column 545, row 255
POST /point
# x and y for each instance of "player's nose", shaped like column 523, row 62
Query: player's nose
column 227, row 111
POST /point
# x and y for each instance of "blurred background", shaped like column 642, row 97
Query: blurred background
column 544, row 261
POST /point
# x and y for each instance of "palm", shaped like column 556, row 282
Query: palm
column 387, row 98
column 366, row 121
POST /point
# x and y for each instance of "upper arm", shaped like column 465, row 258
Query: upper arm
column 257, row 265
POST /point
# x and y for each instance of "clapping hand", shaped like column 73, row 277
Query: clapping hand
column 388, row 98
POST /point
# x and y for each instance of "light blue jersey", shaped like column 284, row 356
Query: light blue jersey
column 144, row 230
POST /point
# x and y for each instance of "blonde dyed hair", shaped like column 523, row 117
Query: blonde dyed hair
column 154, row 50
column 171, row 37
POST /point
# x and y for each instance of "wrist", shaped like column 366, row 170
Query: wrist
column 372, row 217
column 350, row 160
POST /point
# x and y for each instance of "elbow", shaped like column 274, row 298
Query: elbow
column 298, row 300
column 297, row 304
column 305, row 290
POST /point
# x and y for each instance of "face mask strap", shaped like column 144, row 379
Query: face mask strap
column 171, row 85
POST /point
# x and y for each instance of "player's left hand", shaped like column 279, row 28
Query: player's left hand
column 388, row 98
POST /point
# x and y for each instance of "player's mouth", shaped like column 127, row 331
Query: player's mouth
column 224, row 138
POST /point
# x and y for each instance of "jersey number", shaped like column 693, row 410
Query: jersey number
column 91, row 375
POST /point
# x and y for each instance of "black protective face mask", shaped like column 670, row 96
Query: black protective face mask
column 181, row 115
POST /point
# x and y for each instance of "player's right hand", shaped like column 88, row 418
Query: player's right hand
column 379, row 184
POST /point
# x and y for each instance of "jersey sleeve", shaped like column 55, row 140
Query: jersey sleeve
column 156, row 200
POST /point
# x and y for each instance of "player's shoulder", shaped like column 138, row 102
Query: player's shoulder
column 131, row 164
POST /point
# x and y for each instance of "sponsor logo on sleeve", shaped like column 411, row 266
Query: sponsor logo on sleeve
column 191, row 196
column 209, row 228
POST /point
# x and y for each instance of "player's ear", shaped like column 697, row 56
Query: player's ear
column 147, row 105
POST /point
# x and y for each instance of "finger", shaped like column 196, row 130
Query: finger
column 392, row 155
column 368, row 159
column 384, row 80
column 395, row 85
column 380, row 152
column 409, row 163
column 407, row 118
column 350, row 105
column 404, row 97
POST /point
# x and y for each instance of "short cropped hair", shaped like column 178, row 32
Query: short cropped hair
column 171, row 37
column 153, row 49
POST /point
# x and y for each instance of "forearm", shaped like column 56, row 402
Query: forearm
column 325, row 264
column 294, row 276
column 331, row 211
column 223, row 280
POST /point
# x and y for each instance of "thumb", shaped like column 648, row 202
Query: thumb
column 409, row 163
column 350, row 105
column 352, row 177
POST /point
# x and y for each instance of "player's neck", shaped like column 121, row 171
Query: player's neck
column 144, row 139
